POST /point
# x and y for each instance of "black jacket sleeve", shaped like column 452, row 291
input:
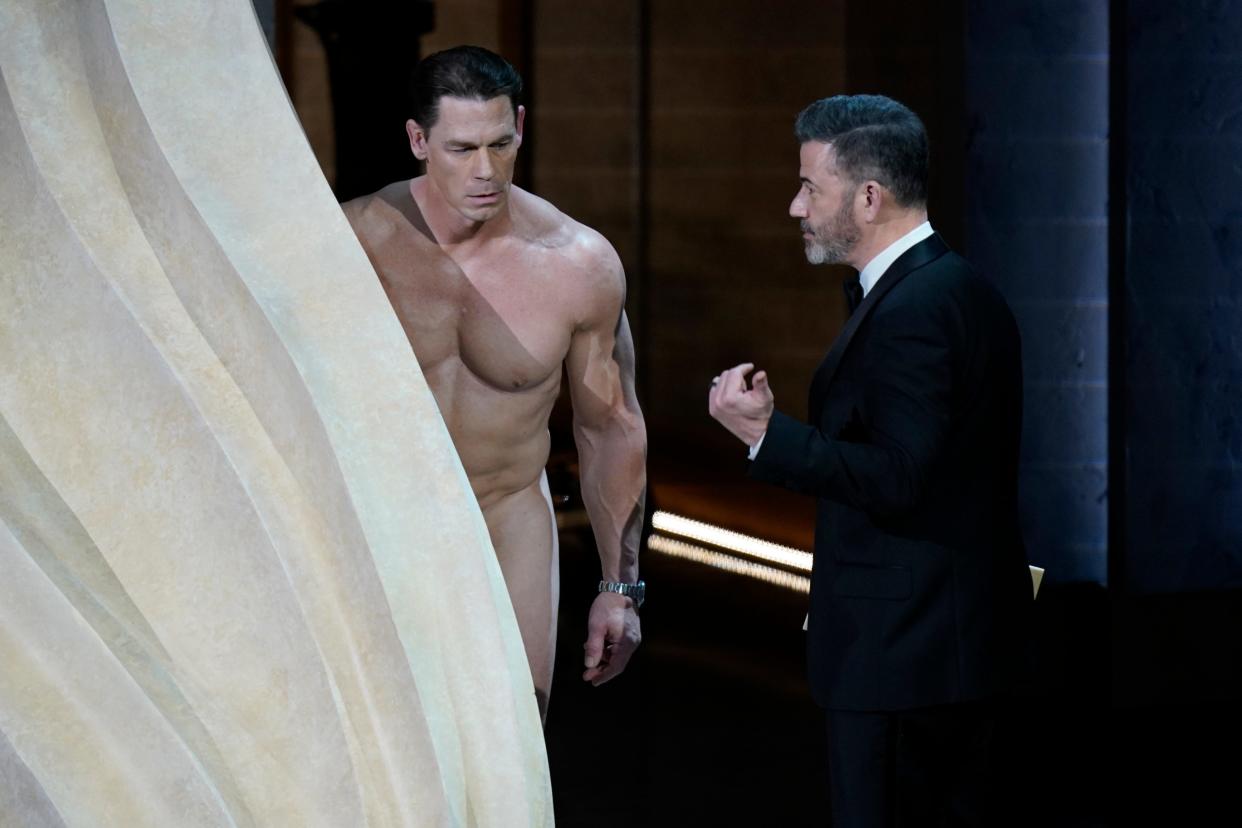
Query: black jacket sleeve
column 880, row 458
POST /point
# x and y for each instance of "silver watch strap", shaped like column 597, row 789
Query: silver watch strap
column 633, row 591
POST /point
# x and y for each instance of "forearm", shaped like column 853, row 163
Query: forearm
column 613, row 461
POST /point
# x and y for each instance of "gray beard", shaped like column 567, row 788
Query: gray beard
column 818, row 253
column 842, row 234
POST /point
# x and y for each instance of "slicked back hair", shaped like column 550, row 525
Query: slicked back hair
column 874, row 138
column 469, row 72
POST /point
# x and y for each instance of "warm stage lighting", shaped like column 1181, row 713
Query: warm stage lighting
column 729, row 563
column 782, row 556
column 785, row 556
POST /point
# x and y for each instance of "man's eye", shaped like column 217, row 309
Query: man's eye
column 501, row 144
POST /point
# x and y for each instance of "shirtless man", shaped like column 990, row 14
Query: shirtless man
column 496, row 290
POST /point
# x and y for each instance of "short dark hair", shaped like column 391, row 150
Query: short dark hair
column 470, row 72
column 874, row 137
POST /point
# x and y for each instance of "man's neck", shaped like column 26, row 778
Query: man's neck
column 452, row 230
column 883, row 234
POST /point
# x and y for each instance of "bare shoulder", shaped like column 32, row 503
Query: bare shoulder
column 587, row 263
column 372, row 214
column 356, row 208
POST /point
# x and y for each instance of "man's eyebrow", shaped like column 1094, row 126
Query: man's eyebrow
column 806, row 180
column 460, row 144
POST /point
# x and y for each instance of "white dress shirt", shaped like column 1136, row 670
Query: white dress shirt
column 876, row 268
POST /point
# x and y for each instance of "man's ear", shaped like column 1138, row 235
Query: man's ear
column 519, row 123
column 872, row 197
column 418, row 139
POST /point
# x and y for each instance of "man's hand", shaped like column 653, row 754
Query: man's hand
column 613, row 632
column 744, row 411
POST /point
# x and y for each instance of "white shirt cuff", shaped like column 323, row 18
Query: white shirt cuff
column 754, row 450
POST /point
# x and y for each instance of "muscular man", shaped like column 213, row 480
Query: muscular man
column 920, row 584
column 497, row 290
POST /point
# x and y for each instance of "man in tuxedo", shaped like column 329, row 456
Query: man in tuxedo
column 920, row 587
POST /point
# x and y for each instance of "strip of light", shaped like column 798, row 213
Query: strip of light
column 738, row 566
column 685, row 527
column 745, row 544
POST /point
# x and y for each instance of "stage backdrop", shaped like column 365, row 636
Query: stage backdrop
column 244, row 578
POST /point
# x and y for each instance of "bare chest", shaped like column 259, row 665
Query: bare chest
column 516, row 321
column 504, row 313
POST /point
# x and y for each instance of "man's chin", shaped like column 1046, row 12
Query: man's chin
column 822, row 254
column 482, row 212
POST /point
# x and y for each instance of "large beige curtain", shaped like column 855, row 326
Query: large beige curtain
column 242, row 577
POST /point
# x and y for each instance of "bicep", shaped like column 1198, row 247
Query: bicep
column 600, row 368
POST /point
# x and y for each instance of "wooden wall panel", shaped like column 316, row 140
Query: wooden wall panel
column 729, row 281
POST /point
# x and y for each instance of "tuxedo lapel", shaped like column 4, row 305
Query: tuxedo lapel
column 923, row 253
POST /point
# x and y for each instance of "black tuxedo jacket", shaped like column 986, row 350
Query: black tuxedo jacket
column 920, row 588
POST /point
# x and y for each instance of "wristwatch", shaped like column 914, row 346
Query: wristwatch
column 637, row 591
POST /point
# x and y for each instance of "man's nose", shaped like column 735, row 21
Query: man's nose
column 797, row 208
column 483, row 166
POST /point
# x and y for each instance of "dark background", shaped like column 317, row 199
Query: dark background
column 1087, row 156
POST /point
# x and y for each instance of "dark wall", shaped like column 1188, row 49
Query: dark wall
column 1056, row 103
column 583, row 115
column 1037, row 225
column 727, row 279
column 914, row 52
column 1177, row 559
column 1183, row 317
column 371, row 50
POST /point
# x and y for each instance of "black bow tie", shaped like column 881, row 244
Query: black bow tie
column 853, row 293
